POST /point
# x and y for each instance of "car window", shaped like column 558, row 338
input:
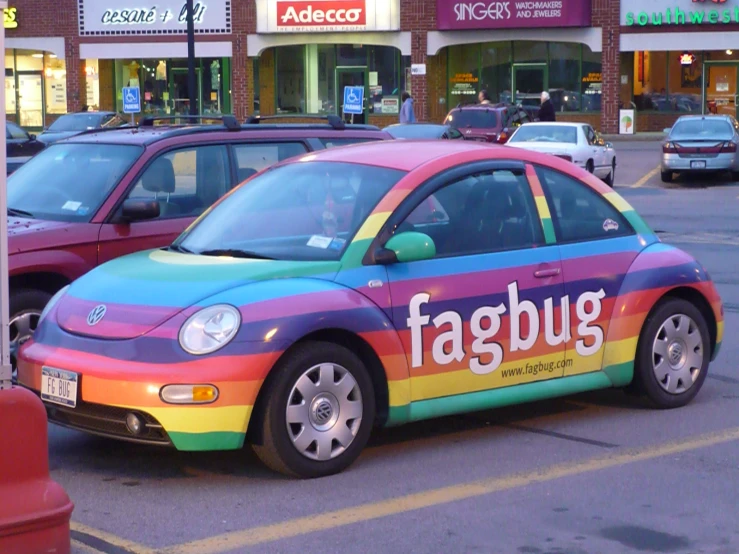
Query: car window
column 185, row 182
column 578, row 212
column 474, row 118
column 488, row 212
column 331, row 142
column 16, row 132
column 251, row 158
column 695, row 128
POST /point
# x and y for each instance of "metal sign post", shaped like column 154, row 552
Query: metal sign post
column 6, row 371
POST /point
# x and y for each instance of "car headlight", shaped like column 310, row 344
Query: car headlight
column 50, row 304
column 209, row 329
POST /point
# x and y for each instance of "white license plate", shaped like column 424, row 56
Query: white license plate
column 698, row 164
column 59, row 386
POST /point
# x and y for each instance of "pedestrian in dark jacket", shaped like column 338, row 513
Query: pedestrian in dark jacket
column 546, row 113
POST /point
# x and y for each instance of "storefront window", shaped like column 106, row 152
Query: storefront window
column 570, row 72
column 10, row 105
column 496, row 71
column 290, row 70
column 164, row 85
column 92, row 85
column 55, row 74
column 384, row 69
column 26, row 83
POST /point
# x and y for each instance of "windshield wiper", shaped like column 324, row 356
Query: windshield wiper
column 178, row 248
column 234, row 253
column 19, row 213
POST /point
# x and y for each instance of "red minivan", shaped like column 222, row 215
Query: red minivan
column 106, row 193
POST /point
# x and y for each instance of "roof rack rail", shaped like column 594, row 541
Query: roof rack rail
column 229, row 121
column 334, row 120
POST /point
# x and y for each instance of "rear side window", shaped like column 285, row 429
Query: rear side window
column 474, row 118
column 578, row 212
column 254, row 157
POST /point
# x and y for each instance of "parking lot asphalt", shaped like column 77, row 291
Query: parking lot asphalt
column 592, row 473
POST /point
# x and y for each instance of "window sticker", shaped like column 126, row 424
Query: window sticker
column 83, row 210
column 318, row 241
column 610, row 225
column 72, row 206
column 337, row 244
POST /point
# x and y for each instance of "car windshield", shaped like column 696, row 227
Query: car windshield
column 305, row 210
column 68, row 182
column 76, row 122
column 417, row 131
column 476, row 118
column 545, row 133
column 697, row 129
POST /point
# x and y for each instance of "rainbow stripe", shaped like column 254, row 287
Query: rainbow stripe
column 281, row 302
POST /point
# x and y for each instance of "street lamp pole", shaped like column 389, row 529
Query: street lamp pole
column 6, row 372
column 192, row 81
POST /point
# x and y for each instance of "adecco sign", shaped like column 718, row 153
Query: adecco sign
column 659, row 13
column 508, row 14
column 327, row 16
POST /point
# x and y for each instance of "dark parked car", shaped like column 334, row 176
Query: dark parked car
column 423, row 131
column 487, row 122
column 21, row 146
column 72, row 124
column 102, row 194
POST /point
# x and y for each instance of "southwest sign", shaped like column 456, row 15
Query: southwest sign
column 667, row 12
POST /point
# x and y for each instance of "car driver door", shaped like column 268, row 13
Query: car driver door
column 484, row 312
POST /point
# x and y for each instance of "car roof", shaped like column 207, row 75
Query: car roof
column 705, row 116
column 407, row 155
column 147, row 132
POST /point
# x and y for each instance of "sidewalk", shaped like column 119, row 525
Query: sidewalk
column 651, row 136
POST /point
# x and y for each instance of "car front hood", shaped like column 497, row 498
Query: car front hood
column 25, row 235
column 142, row 291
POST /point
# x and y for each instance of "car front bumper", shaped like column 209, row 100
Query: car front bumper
column 110, row 389
column 720, row 162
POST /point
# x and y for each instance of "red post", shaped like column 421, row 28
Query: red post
column 34, row 510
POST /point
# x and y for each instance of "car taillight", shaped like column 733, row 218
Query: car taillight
column 728, row 147
column 503, row 137
column 668, row 148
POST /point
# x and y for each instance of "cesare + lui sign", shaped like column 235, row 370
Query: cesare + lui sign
column 327, row 16
column 680, row 12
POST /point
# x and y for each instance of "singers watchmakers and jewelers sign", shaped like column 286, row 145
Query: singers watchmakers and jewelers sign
column 163, row 17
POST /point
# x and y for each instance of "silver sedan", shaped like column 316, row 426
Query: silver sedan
column 701, row 144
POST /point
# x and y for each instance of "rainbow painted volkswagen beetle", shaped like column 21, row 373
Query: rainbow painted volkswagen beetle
column 375, row 285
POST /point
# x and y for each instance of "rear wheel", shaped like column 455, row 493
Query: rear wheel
column 666, row 176
column 611, row 178
column 673, row 354
column 590, row 166
column 26, row 306
column 318, row 412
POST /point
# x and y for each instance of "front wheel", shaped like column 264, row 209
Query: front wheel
column 673, row 354
column 610, row 180
column 318, row 412
column 25, row 306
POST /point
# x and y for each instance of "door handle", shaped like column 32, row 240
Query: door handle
column 541, row 273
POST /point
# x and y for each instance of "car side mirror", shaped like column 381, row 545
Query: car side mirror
column 609, row 145
column 31, row 136
column 137, row 209
column 667, row 130
column 409, row 246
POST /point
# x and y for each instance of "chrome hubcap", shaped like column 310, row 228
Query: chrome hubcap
column 324, row 411
column 677, row 354
column 21, row 328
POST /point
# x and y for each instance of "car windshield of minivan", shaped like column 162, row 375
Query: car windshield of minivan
column 68, row 182
column 75, row 122
column 307, row 210
column 476, row 118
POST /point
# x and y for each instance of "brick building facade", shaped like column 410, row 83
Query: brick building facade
column 290, row 57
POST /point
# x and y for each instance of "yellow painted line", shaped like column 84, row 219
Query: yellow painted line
column 131, row 546
column 435, row 497
column 641, row 182
column 82, row 548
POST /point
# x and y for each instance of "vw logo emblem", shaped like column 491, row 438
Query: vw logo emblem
column 97, row 313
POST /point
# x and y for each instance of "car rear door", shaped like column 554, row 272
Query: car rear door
column 597, row 246
column 482, row 314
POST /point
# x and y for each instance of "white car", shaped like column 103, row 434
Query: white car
column 577, row 142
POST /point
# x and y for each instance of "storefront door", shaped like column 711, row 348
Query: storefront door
column 31, row 99
column 720, row 88
column 180, row 91
column 529, row 80
column 351, row 77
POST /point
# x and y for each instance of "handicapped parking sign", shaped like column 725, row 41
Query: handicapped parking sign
column 354, row 100
column 131, row 100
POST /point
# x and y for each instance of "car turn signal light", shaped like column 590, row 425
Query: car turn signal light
column 668, row 148
column 189, row 394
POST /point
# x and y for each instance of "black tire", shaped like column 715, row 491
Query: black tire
column 590, row 166
column 666, row 176
column 645, row 381
column 276, row 449
column 735, row 175
column 24, row 301
column 611, row 178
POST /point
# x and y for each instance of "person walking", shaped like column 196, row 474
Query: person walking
column 407, row 115
column 546, row 113
column 484, row 97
